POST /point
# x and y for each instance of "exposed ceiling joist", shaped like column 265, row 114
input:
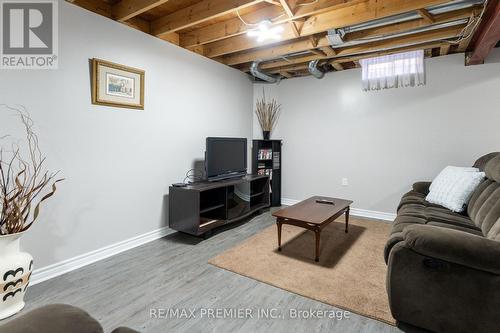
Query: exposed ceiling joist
column 341, row 60
column 295, row 29
column 338, row 18
column 337, row 66
column 212, row 28
column 318, row 52
column 488, row 35
column 328, row 51
column 413, row 24
column 426, row 15
column 96, row 6
column 235, row 26
column 418, row 38
column 196, row 14
column 286, row 7
column 286, row 74
column 127, row 9
column 307, row 44
column 139, row 24
column 337, row 63
column 105, row 9
column 444, row 49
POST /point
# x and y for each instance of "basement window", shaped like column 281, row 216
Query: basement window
column 393, row 71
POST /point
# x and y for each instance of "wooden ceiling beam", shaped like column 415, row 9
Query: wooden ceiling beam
column 426, row 15
column 418, row 38
column 338, row 18
column 468, row 33
column 328, row 51
column 362, row 12
column 172, row 37
column 487, row 35
column 196, row 14
column 235, row 26
column 413, row 24
column 278, row 63
column 295, row 29
column 127, row 9
column 232, row 27
column 308, row 44
column 273, row 2
column 378, row 53
column 337, row 66
column 344, row 59
column 291, row 68
column 318, row 52
column 96, row 6
column 105, row 9
column 286, row 7
column 139, row 24
column 444, row 49
column 286, row 74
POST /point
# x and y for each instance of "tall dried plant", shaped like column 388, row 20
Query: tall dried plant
column 23, row 179
column 267, row 113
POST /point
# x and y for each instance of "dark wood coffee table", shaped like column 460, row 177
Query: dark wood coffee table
column 314, row 216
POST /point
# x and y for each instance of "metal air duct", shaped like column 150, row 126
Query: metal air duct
column 314, row 70
column 258, row 73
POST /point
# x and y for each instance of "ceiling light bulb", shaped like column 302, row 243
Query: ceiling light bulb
column 265, row 31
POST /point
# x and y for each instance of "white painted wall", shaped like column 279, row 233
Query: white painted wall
column 119, row 163
column 384, row 141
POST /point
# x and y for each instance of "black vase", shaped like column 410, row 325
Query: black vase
column 266, row 134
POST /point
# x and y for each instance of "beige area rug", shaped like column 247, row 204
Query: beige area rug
column 350, row 274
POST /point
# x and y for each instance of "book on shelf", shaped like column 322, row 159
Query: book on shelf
column 267, row 172
column 265, row 154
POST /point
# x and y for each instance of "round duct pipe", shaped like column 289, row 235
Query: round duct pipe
column 255, row 70
column 314, row 70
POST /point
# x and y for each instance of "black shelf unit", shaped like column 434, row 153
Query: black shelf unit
column 200, row 207
column 266, row 159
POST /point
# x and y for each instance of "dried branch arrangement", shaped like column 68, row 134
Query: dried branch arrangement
column 23, row 179
column 267, row 113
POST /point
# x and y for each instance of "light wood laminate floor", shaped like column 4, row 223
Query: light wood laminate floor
column 173, row 273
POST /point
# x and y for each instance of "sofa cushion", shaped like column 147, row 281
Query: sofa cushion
column 492, row 169
column 457, row 227
column 454, row 186
column 484, row 205
column 56, row 318
column 481, row 162
column 415, row 213
column 414, row 197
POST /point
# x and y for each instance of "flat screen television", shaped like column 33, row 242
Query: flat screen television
column 226, row 158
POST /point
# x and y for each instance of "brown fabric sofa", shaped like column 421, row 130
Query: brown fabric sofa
column 443, row 267
column 56, row 318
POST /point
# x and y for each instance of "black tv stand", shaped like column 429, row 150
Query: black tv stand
column 200, row 207
column 226, row 177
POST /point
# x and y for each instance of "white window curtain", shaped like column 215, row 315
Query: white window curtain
column 393, row 71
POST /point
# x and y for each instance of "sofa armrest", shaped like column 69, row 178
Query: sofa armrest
column 56, row 318
column 422, row 187
column 454, row 246
column 124, row 330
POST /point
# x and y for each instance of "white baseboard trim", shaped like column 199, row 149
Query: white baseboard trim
column 371, row 214
column 48, row 272
column 68, row 265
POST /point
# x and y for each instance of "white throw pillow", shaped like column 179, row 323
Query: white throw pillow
column 454, row 186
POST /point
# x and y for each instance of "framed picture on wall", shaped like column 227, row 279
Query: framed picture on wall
column 117, row 85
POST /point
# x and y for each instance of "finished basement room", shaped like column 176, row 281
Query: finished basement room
column 249, row 166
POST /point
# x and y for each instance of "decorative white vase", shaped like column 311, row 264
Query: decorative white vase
column 15, row 273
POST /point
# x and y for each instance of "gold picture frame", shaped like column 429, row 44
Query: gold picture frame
column 117, row 85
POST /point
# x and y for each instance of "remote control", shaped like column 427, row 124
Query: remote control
column 326, row 202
